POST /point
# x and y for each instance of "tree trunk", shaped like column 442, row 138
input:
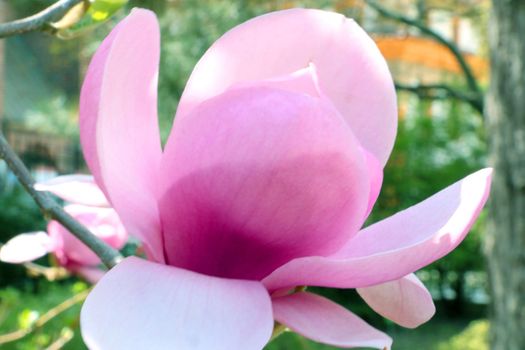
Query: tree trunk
column 3, row 18
column 505, row 113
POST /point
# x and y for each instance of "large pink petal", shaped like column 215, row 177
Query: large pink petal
column 405, row 301
column 78, row 189
column 118, row 124
column 324, row 321
column 256, row 177
column 352, row 72
column 26, row 247
column 396, row 246
column 144, row 305
column 102, row 222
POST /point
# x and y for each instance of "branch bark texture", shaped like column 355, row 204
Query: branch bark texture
column 52, row 210
column 441, row 92
column 38, row 21
column 505, row 114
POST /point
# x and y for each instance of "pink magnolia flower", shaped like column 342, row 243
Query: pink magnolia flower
column 273, row 164
column 69, row 251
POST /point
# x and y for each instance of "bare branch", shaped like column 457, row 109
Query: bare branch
column 50, row 273
column 441, row 92
column 65, row 337
column 467, row 71
column 45, row 318
column 51, row 209
column 38, row 21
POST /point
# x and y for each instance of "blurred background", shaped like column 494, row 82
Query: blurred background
column 441, row 68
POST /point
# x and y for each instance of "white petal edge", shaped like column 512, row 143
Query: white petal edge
column 26, row 247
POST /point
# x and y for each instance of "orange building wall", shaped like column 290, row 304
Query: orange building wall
column 426, row 52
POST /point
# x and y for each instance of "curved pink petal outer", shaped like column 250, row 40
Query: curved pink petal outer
column 256, row 177
column 304, row 81
column 103, row 222
column 375, row 170
column 352, row 72
column 78, row 189
column 324, row 321
column 405, row 301
column 143, row 305
column 396, row 246
column 26, row 247
column 118, row 124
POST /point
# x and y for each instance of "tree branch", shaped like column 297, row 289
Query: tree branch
column 441, row 92
column 51, row 209
column 38, row 21
column 467, row 71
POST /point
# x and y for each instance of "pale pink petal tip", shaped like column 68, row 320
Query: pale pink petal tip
column 78, row 189
column 405, row 301
column 144, row 305
column 26, row 247
column 324, row 321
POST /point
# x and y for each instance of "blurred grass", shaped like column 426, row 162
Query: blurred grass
column 20, row 308
column 435, row 335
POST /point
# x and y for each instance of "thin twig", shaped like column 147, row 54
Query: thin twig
column 452, row 47
column 51, row 209
column 65, row 337
column 441, row 92
column 38, row 21
column 50, row 273
column 45, row 318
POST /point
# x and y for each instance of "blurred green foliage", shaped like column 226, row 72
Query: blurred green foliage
column 474, row 337
column 20, row 309
column 64, row 116
column 18, row 214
